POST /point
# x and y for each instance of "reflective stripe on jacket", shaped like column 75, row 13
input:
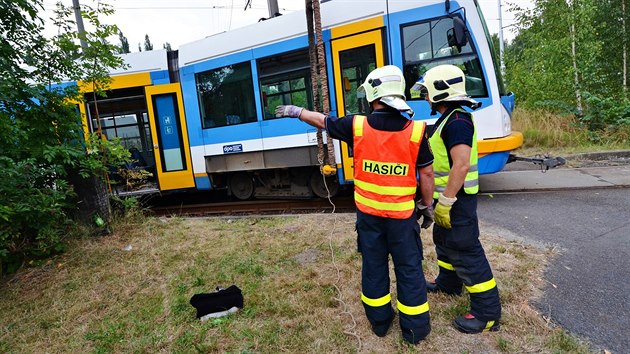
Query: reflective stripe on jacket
column 441, row 166
column 385, row 168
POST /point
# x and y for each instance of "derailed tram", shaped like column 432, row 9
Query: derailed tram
column 202, row 117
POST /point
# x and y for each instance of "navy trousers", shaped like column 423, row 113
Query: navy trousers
column 462, row 260
column 378, row 238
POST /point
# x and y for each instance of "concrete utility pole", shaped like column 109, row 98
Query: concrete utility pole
column 273, row 8
column 501, row 39
column 79, row 19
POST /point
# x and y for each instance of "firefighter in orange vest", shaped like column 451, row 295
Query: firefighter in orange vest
column 461, row 258
column 390, row 151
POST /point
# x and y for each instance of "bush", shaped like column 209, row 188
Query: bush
column 33, row 217
column 605, row 114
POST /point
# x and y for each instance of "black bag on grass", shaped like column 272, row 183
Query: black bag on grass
column 220, row 303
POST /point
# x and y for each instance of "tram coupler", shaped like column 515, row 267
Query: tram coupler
column 328, row 170
column 545, row 162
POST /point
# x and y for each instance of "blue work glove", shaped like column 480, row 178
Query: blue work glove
column 288, row 111
column 443, row 211
column 426, row 213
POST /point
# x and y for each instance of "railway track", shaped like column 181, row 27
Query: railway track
column 258, row 207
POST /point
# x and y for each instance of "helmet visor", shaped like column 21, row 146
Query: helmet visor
column 419, row 91
column 361, row 92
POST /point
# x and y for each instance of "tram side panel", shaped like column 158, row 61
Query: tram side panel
column 229, row 98
column 236, row 141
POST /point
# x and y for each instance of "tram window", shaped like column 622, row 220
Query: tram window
column 356, row 64
column 126, row 119
column 426, row 45
column 285, row 79
column 128, row 134
column 226, row 96
column 282, row 91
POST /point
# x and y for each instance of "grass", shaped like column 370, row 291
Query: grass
column 101, row 297
column 546, row 132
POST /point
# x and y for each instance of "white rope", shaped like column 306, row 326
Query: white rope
column 349, row 330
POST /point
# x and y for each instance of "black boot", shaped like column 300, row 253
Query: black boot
column 415, row 336
column 469, row 324
column 380, row 328
column 433, row 287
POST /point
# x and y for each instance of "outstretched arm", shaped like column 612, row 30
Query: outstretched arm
column 315, row 119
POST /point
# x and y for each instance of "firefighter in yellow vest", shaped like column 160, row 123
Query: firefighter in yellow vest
column 390, row 150
column 461, row 258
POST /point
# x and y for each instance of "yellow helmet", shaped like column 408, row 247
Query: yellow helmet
column 444, row 83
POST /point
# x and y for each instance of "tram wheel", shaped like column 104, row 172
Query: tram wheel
column 242, row 185
column 319, row 188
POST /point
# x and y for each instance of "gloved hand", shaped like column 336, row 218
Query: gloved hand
column 443, row 211
column 288, row 111
column 426, row 213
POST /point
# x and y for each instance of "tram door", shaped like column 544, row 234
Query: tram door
column 170, row 137
column 353, row 59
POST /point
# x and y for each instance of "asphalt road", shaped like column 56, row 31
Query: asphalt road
column 591, row 274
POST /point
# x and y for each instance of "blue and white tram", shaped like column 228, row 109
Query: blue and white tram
column 203, row 115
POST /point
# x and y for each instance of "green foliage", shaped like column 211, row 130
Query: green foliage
column 42, row 142
column 605, row 113
column 32, row 211
column 568, row 57
column 563, row 342
column 124, row 44
column 126, row 205
column 134, row 179
column 147, row 43
column 101, row 154
column 546, row 132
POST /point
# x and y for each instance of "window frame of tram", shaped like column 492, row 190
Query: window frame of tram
column 351, row 84
column 226, row 96
column 125, row 111
column 421, row 53
column 285, row 79
column 359, row 105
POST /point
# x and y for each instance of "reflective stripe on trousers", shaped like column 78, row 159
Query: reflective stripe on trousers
column 462, row 260
column 378, row 238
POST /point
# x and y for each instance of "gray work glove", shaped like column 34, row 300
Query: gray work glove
column 426, row 213
column 288, row 111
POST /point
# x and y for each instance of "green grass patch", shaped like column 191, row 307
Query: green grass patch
column 100, row 297
column 546, row 132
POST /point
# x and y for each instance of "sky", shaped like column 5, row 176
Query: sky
column 182, row 21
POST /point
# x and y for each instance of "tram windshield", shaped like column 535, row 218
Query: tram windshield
column 428, row 44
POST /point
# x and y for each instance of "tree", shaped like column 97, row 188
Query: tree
column 124, row 43
column 42, row 143
column 147, row 43
column 167, row 46
column 571, row 55
column 539, row 58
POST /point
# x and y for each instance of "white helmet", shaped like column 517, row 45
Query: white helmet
column 388, row 84
column 444, row 83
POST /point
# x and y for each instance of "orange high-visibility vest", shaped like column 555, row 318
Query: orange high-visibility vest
column 385, row 168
